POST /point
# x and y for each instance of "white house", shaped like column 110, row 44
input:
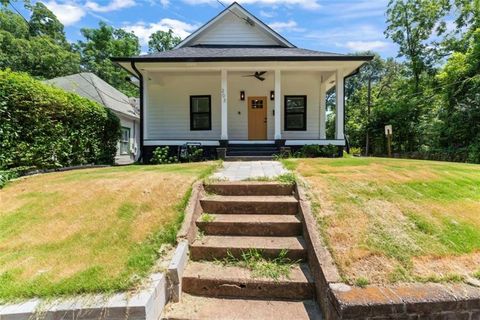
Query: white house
column 90, row 86
column 236, row 82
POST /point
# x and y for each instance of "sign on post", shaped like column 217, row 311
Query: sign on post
column 388, row 130
column 388, row 133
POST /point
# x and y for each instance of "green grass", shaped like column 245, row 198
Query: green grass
column 90, row 231
column 405, row 213
column 362, row 282
column 261, row 267
column 477, row 274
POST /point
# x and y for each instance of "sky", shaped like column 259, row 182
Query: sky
column 342, row 26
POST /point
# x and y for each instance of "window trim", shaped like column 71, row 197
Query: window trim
column 285, row 114
column 209, row 112
column 127, row 141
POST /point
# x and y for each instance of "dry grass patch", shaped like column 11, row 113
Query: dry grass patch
column 94, row 230
column 392, row 220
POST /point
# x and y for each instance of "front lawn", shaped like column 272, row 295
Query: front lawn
column 392, row 220
column 86, row 231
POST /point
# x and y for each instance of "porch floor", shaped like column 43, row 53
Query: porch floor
column 238, row 171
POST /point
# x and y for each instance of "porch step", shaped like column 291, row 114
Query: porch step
column 251, row 150
column 250, row 188
column 249, row 153
column 216, row 280
column 218, row 247
column 251, row 225
column 199, row 308
column 250, row 204
column 248, row 158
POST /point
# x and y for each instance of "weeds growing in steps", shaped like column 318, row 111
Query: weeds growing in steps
column 260, row 266
column 287, row 178
column 207, row 217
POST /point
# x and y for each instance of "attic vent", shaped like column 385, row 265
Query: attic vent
column 250, row 21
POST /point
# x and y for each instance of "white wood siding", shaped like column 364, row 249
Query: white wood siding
column 230, row 30
column 303, row 83
column 167, row 114
column 168, row 103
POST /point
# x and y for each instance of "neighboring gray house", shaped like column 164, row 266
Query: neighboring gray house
column 90, row 86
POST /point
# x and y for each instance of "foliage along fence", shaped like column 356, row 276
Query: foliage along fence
column 46, row 127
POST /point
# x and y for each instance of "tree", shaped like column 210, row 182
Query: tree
column 410, row 24
column 163, row 41
column 460, row 116
column 100, row 45
column 40, row 56
column 44, row 23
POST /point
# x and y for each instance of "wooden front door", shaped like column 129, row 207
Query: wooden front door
column 257, row 118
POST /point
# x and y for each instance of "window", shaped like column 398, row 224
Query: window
column 125, row 141
column 200, row 113
column 257, row 104
column 295, row 113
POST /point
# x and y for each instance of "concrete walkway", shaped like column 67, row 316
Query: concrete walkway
column 238, row 171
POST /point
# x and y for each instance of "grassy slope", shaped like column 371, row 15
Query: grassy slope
column 95, row 230
column 398, row 220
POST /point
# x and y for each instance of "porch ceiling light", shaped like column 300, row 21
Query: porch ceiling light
column 272, row 95
column 242, row 95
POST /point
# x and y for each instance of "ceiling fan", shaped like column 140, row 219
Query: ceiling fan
column 257, row 75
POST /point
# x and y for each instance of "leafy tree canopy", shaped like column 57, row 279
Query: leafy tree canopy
column 162, row 41
column 44, row 23
column 100, row 45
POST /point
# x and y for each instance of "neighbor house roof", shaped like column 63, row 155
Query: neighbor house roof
column 90, row 86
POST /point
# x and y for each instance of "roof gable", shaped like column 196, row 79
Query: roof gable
column 235, row 26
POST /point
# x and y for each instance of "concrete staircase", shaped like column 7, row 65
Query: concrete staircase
column 245, row 216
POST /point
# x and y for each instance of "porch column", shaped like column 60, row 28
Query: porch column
column 339, row 110
column 278, row 105
column 323, row 110
column 224, row 113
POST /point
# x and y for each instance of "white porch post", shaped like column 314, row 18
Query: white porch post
column 323, row 110
column 278, row 104
column 340, row 108
column 224, row 113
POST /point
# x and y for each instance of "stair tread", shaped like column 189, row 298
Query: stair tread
column 216, row 271
column 240, row 242
column 193, row 307
column 251, row 218
column 273, row 199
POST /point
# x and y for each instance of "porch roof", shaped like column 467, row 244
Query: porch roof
column 241, row 53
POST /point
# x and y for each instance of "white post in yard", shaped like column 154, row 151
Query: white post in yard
column 224, row 113
column 323, row 110
column 340, row 108
column 278, row 104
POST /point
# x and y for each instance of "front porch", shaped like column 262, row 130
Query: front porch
column 229, row 106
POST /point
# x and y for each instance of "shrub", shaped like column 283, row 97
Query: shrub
column 355, row 151
column 161, row 156
column 194, row 154
column 314, row 151
column 46, row 127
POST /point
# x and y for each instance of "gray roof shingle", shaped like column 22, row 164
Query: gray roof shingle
column 90, row 86
column 200, row 53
